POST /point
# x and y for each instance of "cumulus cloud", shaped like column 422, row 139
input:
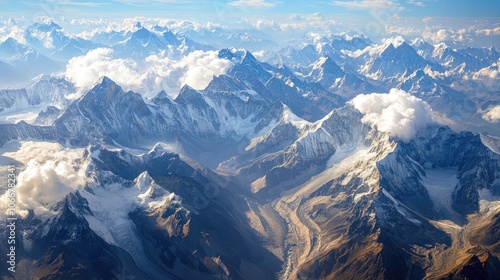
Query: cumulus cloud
column 369, row 4
column 195, row 69
column 427, row 20
column 85, row 70
column 491, row 72
column 406, row 30
column 488, row 31
column 441, row 35
column 252, row 4
column 492, row 114
column 50, row 173
column 416, row 3
column 11, row 30
column 157, row 72
column 475, row 35
column 260, row 55
column 200, row 67
column 311, row 22
column 397, row 112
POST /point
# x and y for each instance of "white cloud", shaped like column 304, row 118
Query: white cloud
column 195, row 69
column 397, row 112
column 50, row 173
column 488, row 31
column 200, row 67
column 368, row 4
column 155, row 73
column 416, row 3
column 492, row 114
column 441, row 36
column 252, row 4
column 489, row 72
column 85, row 70
column 82, row 4
column 470, row 35
column 310, row 22
column 260, row 55
column 16, row 33
column 404, row 30
column 487, row 76
column 427, row 20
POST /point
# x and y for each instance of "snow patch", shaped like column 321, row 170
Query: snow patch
column 111, row 205
column 290, row 117
column 358, row 196
column 489, row 203
column 440, row 184
column 400, row 208
column 261, row 135
column 346, row 150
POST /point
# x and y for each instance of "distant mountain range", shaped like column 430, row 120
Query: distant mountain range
column 290, row 168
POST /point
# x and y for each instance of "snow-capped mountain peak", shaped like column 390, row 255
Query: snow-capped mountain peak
column 267, row 159
column 238, row 56
column 46, row 27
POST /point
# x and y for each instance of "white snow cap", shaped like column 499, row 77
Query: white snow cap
column 397, row 112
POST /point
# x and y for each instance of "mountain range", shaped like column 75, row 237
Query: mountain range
column 332, row 158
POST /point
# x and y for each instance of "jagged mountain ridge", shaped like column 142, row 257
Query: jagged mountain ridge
column 322, row 152
column 364, row 63
column 376, row 197
column 177, row 223
column 196, row 119
column 311, row 190
column 394, row 62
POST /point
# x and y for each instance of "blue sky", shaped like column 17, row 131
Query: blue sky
column 210, row 10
